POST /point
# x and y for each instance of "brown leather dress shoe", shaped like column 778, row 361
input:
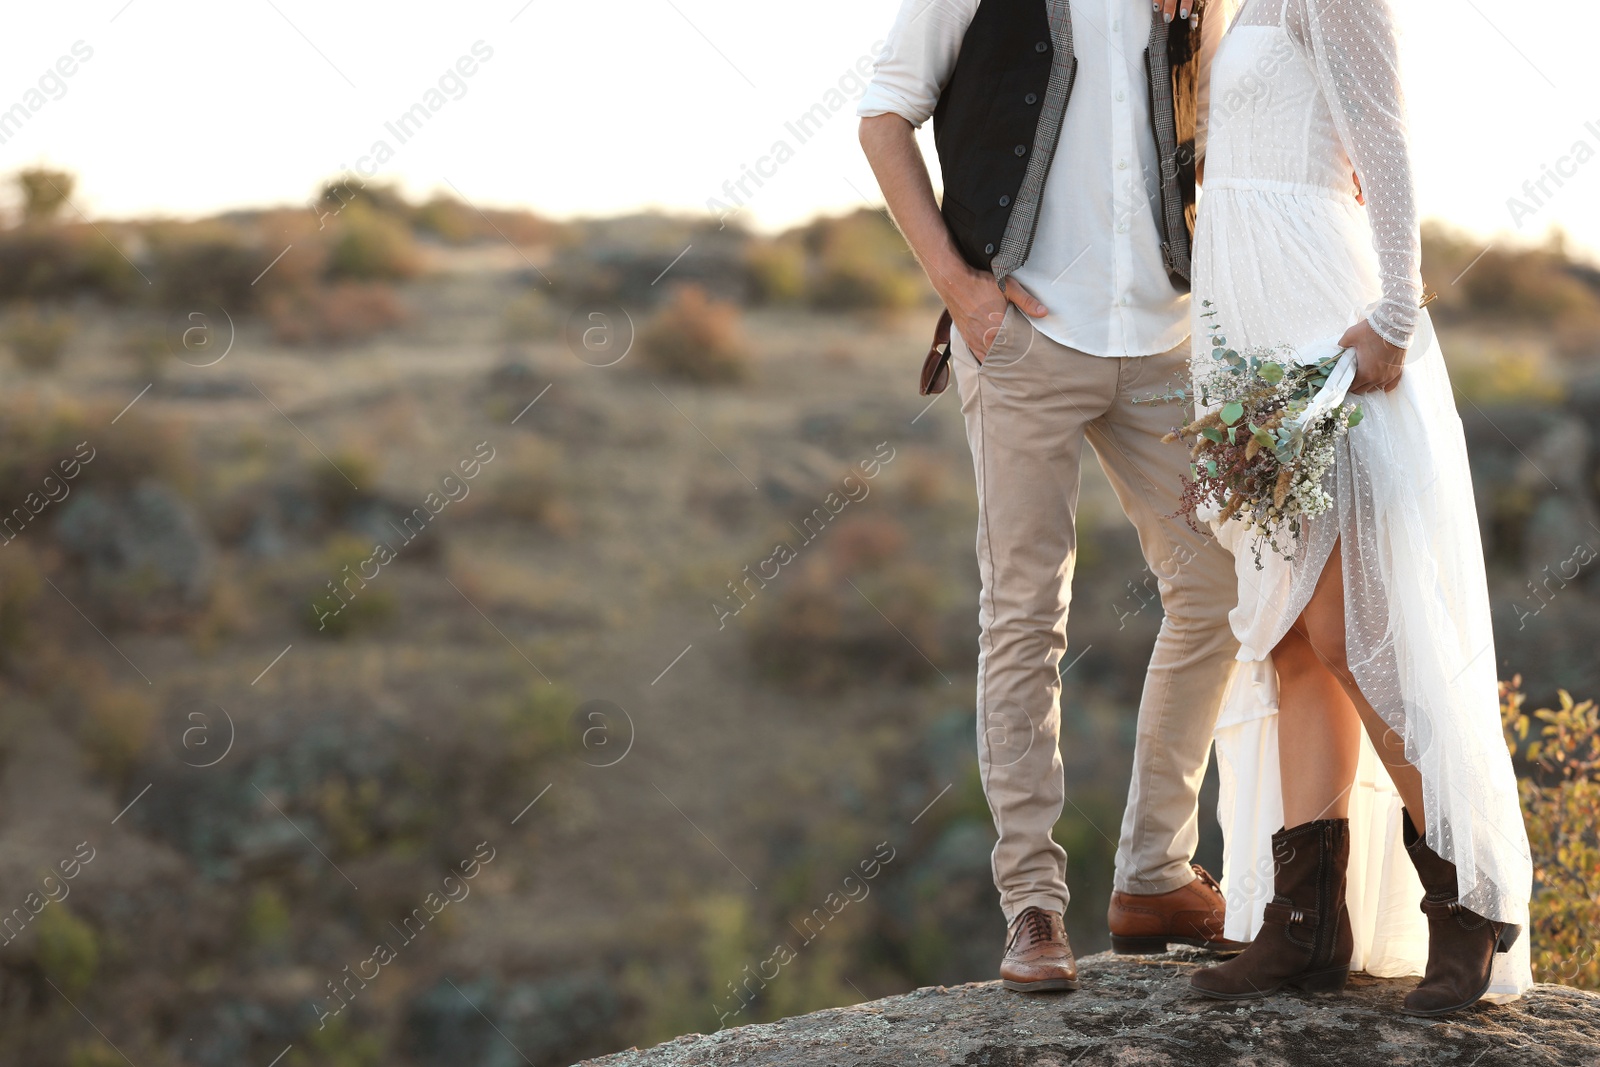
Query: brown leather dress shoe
column 1461, row 943
column 1145, row 923
column 1038, row 958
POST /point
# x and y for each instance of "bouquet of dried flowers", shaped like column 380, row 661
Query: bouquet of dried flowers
column 1274, row 419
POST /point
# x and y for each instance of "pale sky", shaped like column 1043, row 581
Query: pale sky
column 607, row 106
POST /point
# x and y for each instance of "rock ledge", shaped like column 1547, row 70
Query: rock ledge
column 1138, row 1011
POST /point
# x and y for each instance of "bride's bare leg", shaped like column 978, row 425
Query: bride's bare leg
column 1321, row 713
column 1322, row 626
column 1305, row 939
column 1319, row 733
column 1461, row 944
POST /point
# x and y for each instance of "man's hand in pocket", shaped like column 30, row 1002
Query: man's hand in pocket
column 978, row 307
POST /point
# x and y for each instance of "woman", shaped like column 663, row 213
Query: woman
column 1381, row 621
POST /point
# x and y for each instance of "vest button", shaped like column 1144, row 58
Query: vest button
column 1021, row 150
column 988, row 250
column 1042, row 46
column 1031, row 98
column 1005, row 201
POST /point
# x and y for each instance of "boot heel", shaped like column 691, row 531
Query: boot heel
column 1138, row 946
column 1507, row 938
column 1330, row 981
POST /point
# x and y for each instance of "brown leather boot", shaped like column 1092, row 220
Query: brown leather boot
column 1144, row 923
column 1038, row 958
column 1305, row 940
column 1461, row 943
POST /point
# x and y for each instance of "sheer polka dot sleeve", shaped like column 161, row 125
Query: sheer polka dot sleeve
column 1354, row 50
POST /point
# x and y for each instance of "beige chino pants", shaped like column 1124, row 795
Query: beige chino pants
column 1028, row 409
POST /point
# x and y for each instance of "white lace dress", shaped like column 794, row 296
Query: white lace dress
column 1304, row 92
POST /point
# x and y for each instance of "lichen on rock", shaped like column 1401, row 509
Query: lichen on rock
column 1140, row 1011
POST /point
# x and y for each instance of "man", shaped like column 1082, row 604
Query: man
column 1067, row 140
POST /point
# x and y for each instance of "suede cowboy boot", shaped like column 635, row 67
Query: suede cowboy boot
column 1461, row 943
column 1305, row 940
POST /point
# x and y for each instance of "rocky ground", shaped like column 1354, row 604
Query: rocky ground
column 1139, row 1011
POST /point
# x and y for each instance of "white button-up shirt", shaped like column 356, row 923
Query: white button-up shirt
column 1096, row 257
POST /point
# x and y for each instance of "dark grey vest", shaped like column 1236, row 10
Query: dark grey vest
column 998, row 122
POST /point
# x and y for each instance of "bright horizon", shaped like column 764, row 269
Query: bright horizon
column 186, row 109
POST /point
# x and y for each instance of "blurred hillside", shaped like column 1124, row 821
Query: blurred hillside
column 581, row 745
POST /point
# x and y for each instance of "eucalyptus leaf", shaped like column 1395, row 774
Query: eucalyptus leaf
column 1232, row 413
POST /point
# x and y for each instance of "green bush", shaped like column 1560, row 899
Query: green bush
column 449, row 220
column 778, row 269
column 19, row 590
column 44, row 192
column 266, row 922
column 540, row 723
column 862, row 262
column 1561, row 806
column 369, row 246
column 366, row 606
column 69, row 950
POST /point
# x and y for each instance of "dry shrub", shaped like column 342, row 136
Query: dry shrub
column 145, row 347
column 839, row 356
column 867, row 541
column 696, row 339
column 349, row 475
column 115, row 727
column 1521, row 284
column 1561, row 806
column 209, row 262
column 524, row 484
column 340, row 313
column 926, row 481
column 820, row 632
column 529, row 317
column 518, row 226
column 38, row 434
column 58, row 261
column 43, row 258
column 37, row 339
column 1578, row 336
column 1506, row 375
column 455, row 222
